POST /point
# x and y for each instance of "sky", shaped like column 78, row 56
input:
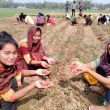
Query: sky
column 98, row 1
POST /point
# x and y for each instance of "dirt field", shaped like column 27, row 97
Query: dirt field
column 64, row 42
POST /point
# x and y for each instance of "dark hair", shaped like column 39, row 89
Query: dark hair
column 84, row 16
column 39, row 30
column 22, row 13
column 48, row 16
column 6, row 38
column 100, row 14
column 89, row 15
column 40, row 14
column 74, row 2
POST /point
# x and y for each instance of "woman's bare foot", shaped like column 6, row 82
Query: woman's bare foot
column 97, row 90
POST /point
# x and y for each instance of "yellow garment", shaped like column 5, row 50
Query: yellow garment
column 18, row 78
column 27, row 58
column 8, row 95
column 90, row 79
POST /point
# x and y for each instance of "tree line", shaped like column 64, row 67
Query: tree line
column 50, row 5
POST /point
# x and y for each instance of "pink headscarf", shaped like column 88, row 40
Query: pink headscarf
column 35, row 49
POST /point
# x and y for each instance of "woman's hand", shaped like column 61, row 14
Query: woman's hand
column 75, row 64
column 45, row 64
column 43, row 84
column 78, row 68
column 51, row 61
column 42, row 72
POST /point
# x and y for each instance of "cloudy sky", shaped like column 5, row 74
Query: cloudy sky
column 99, row 1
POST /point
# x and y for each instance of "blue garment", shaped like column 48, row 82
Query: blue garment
column 67, row 5
column 10, row 105
column 107, row 95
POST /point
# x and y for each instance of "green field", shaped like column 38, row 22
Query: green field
column 5, row 12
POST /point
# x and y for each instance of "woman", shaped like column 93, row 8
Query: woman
column 25, row 19
column 10, row 77
column 40, row 19
column 31, row 54
column 21, row 17
column 87, row 20
column 50, row 20
column 102, row 74
column 80, row 9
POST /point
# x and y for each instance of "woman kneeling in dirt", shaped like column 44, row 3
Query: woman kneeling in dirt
column 25, row 19
column 31, row 54
column 10, row 77
column 50, row 20
column 102, row 75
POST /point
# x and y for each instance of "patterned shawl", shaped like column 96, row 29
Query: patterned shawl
column 105, row 60
column 6, row 75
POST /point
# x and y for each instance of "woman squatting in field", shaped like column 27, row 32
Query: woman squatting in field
column 10, row 77
column 102, row 75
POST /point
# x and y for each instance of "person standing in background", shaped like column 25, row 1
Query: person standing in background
column 67, row 5
column 73, row 7
column 80, row 6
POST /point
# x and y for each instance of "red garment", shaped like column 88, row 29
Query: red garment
column 51, row 21
column 35, row 50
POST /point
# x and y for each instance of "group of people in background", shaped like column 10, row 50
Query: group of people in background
column 103, row 19
column 73, row 8
column 40, row 19
column 26, row 60
column 72, row 17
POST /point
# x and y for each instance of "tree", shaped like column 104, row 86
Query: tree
column 9, row 1
column 5, row 1
column 87, row 4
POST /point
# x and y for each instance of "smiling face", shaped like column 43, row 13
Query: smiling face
column 37, row 37
column 8, row 54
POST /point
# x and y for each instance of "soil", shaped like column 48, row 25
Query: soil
column 65, row 43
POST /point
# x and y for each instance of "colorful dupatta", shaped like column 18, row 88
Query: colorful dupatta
column 36, row 50
column 105, row 61
column 6, row 75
